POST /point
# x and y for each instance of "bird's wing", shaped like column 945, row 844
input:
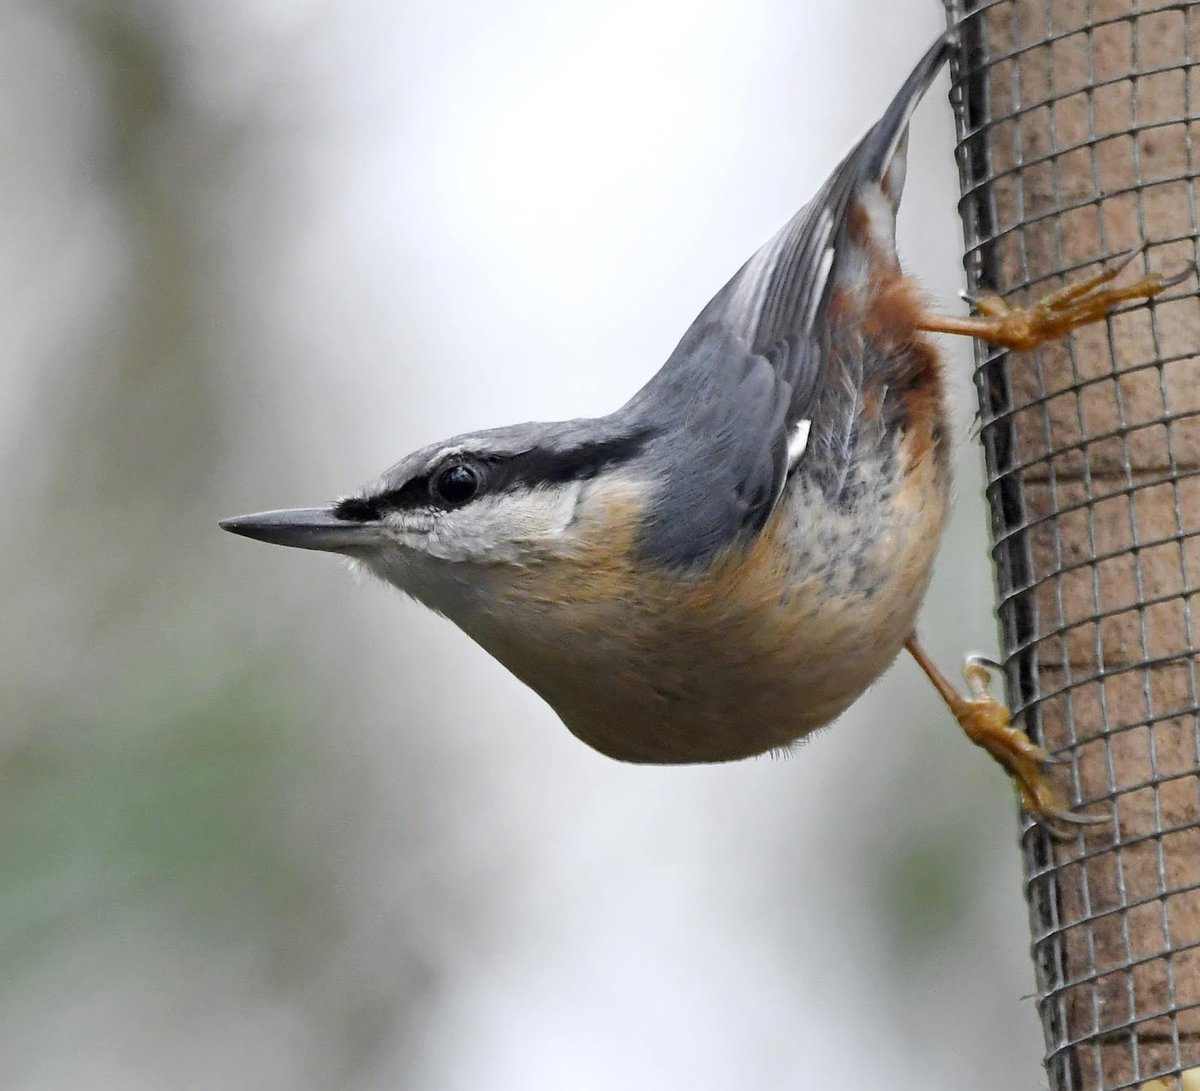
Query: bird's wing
column 742, row 382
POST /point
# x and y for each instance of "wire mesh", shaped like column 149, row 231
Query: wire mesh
column 1076, row 131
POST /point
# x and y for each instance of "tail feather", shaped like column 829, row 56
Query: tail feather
column 886, row 142
column 780, row 292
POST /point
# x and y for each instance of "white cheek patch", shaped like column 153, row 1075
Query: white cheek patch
column 506, row 527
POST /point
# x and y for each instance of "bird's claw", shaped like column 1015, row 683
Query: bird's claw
column 988, row 723
column 1053, row 316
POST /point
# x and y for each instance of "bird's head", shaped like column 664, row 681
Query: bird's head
column 455, row 521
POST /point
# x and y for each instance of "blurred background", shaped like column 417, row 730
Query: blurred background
column 264, row 827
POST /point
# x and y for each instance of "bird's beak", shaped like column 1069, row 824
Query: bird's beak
column 305, row 528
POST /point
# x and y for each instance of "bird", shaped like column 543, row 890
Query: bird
column 725, row 563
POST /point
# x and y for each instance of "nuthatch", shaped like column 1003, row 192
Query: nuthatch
column 725, row 563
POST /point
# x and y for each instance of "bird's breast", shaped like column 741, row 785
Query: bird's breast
column 775, row 639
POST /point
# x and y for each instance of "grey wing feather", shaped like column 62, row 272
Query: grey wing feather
column 776, row 299
column 720, row 466
column 750, row 366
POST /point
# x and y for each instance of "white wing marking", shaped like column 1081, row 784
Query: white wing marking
column 797, row 443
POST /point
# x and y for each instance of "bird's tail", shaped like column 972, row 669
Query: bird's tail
column 881, row 155
column 783, row 289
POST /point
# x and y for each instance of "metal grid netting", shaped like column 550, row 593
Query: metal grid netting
column 1076, row 123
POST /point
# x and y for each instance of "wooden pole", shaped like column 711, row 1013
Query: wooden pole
column 1076, row 143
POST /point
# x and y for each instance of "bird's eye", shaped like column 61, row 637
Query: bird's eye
column 455, row 484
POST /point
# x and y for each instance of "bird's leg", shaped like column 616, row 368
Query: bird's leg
column 1025, row 328
column 988, row 724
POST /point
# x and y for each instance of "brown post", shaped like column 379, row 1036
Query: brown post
column 1077, row 120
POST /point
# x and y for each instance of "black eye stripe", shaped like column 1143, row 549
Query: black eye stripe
column 369, row 509
column 497, row 473
column 357, row 509
column 532, row 469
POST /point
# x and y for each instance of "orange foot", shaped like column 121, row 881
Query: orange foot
column 1057, row 314
column 988, row 724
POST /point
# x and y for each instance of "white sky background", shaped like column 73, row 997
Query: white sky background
column 479, row 213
